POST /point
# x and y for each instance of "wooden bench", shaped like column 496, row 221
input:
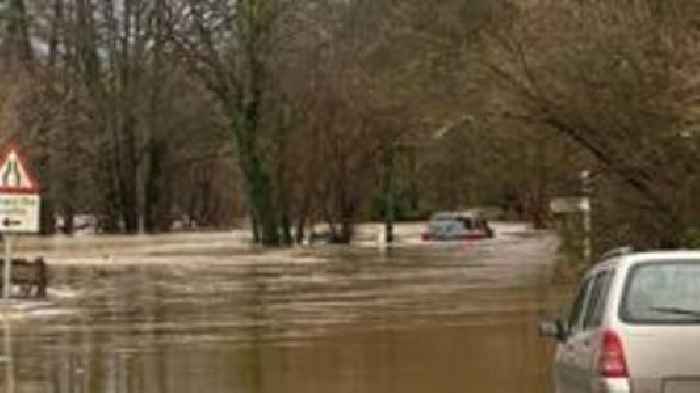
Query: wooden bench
column 30, row 277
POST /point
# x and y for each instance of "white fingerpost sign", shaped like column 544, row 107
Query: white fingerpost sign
column 19, row 206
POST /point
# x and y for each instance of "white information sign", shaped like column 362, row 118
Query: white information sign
column 19, row 213
column 570, row 205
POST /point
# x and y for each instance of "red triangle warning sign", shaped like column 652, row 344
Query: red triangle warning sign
column 15, row 177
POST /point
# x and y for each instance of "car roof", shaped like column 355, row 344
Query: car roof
column 680, row 255
column 634, row 258
column 456, row 215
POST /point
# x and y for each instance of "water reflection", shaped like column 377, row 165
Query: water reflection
column 448, row 319
column 8, row 358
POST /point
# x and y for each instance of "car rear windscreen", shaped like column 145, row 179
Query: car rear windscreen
column 662, row 292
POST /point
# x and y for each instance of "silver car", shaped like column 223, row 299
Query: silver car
column 634, row 327
column 457, row 226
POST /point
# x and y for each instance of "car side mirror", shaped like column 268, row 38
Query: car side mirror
column 554, row 329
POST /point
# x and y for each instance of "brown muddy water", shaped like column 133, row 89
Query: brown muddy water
column 420, row 318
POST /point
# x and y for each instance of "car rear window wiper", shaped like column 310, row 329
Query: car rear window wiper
column 677, row 311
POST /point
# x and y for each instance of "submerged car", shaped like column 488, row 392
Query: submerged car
column 634, row 326
column 457, row 226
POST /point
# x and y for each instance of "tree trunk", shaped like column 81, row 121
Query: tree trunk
column 56, row 27
column 156, row 148
column 300, row 234
column 18, row 41
column 261, row 199
column 255, row 229
column 68, row 219
column 286, row 224
column 259, row 184
column 47, row 221
column 414, row 198
column 129, row 201
column 347, row 230
column 151, row 207
column 302, row 219
column 389, row 193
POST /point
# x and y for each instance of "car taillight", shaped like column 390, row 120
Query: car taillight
column 612, row 362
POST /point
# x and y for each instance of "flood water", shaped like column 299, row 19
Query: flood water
column 422, row 318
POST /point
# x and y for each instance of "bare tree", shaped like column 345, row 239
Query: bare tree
column 618, row 85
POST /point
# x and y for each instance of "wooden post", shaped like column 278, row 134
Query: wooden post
column 42, row 280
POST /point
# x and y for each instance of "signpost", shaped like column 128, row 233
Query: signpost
column 578, row 204
column 19, row 206
column 586, row 208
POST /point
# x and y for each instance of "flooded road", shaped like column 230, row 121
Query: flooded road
column 203, row 316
